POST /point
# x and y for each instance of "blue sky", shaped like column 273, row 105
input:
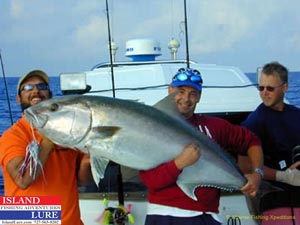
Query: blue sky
column 71, row 35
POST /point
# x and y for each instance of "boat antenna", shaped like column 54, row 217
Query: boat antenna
column 6, row 90
column 110, row 51
column 186, row 37
column 119, row 173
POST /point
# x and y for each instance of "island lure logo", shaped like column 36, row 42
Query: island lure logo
column 30, row 210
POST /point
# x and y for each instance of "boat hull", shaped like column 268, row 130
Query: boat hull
column 231, row 206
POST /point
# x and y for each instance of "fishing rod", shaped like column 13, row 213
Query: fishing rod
column 119, row 174
column 110, row 51
column 186, row 37
column 6, row 90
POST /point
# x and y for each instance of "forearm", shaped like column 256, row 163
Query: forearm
column 84, row 173
column 255, row 155
column 270, row 174
column 289, row 176
column 25, row 179
column 161, row 176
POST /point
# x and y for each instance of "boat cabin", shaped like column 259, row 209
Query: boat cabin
column 227, row 92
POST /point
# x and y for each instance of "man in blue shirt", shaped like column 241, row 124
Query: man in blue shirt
column 278, row 126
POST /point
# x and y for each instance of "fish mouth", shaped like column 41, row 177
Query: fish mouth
column 33, row 120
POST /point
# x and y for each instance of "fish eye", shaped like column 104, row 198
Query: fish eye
column 53, row 107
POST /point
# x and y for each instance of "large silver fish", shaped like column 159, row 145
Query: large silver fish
column 134, row 135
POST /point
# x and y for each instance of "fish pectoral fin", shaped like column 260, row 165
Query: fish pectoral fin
column 98, row 166
column 188, row 189
column 106, row 131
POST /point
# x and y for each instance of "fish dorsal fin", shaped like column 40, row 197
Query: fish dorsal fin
column 106, row 131
column 168, row 106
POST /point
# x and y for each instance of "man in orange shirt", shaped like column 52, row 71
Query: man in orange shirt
column 60, row 169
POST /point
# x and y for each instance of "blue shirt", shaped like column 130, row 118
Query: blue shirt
column 279, row 132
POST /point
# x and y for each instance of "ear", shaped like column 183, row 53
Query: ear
column 170, row 89
column 285, row 87
column 18, row 98
column 199, row 96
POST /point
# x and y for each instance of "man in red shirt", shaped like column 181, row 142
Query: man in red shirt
column 167, row 203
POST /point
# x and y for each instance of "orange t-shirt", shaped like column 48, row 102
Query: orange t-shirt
column 60, row 171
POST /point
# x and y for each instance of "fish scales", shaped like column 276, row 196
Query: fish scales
column 134, row 135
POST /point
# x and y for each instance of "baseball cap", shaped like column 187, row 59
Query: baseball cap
column 38, row 73
column 187, row 77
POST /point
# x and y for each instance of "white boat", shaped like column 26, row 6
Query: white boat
column 227, row 93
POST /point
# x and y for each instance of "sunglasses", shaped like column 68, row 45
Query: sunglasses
column 30, row 87
column 268, row 88
column 192, row 75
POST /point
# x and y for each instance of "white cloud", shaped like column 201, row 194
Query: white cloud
column 16, row 8
column 90, row 33
column 223, row 23
column 72, row 35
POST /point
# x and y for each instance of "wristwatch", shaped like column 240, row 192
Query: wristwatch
column 259, row 171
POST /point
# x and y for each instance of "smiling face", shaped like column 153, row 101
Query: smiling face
column 272, row 98
column 27, row 98
column 186, row 99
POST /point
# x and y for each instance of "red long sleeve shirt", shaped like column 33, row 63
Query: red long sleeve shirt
column 161, row 181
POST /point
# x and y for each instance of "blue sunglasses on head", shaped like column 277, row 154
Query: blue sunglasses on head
column 188, row 74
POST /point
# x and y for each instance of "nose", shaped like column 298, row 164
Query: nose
column 35, row 88
column 265, row 92
column 185, row 96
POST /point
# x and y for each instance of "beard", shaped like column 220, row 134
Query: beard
column 24, row 105
column 26, row 102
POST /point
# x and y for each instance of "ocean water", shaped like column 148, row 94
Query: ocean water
column 293, row 96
